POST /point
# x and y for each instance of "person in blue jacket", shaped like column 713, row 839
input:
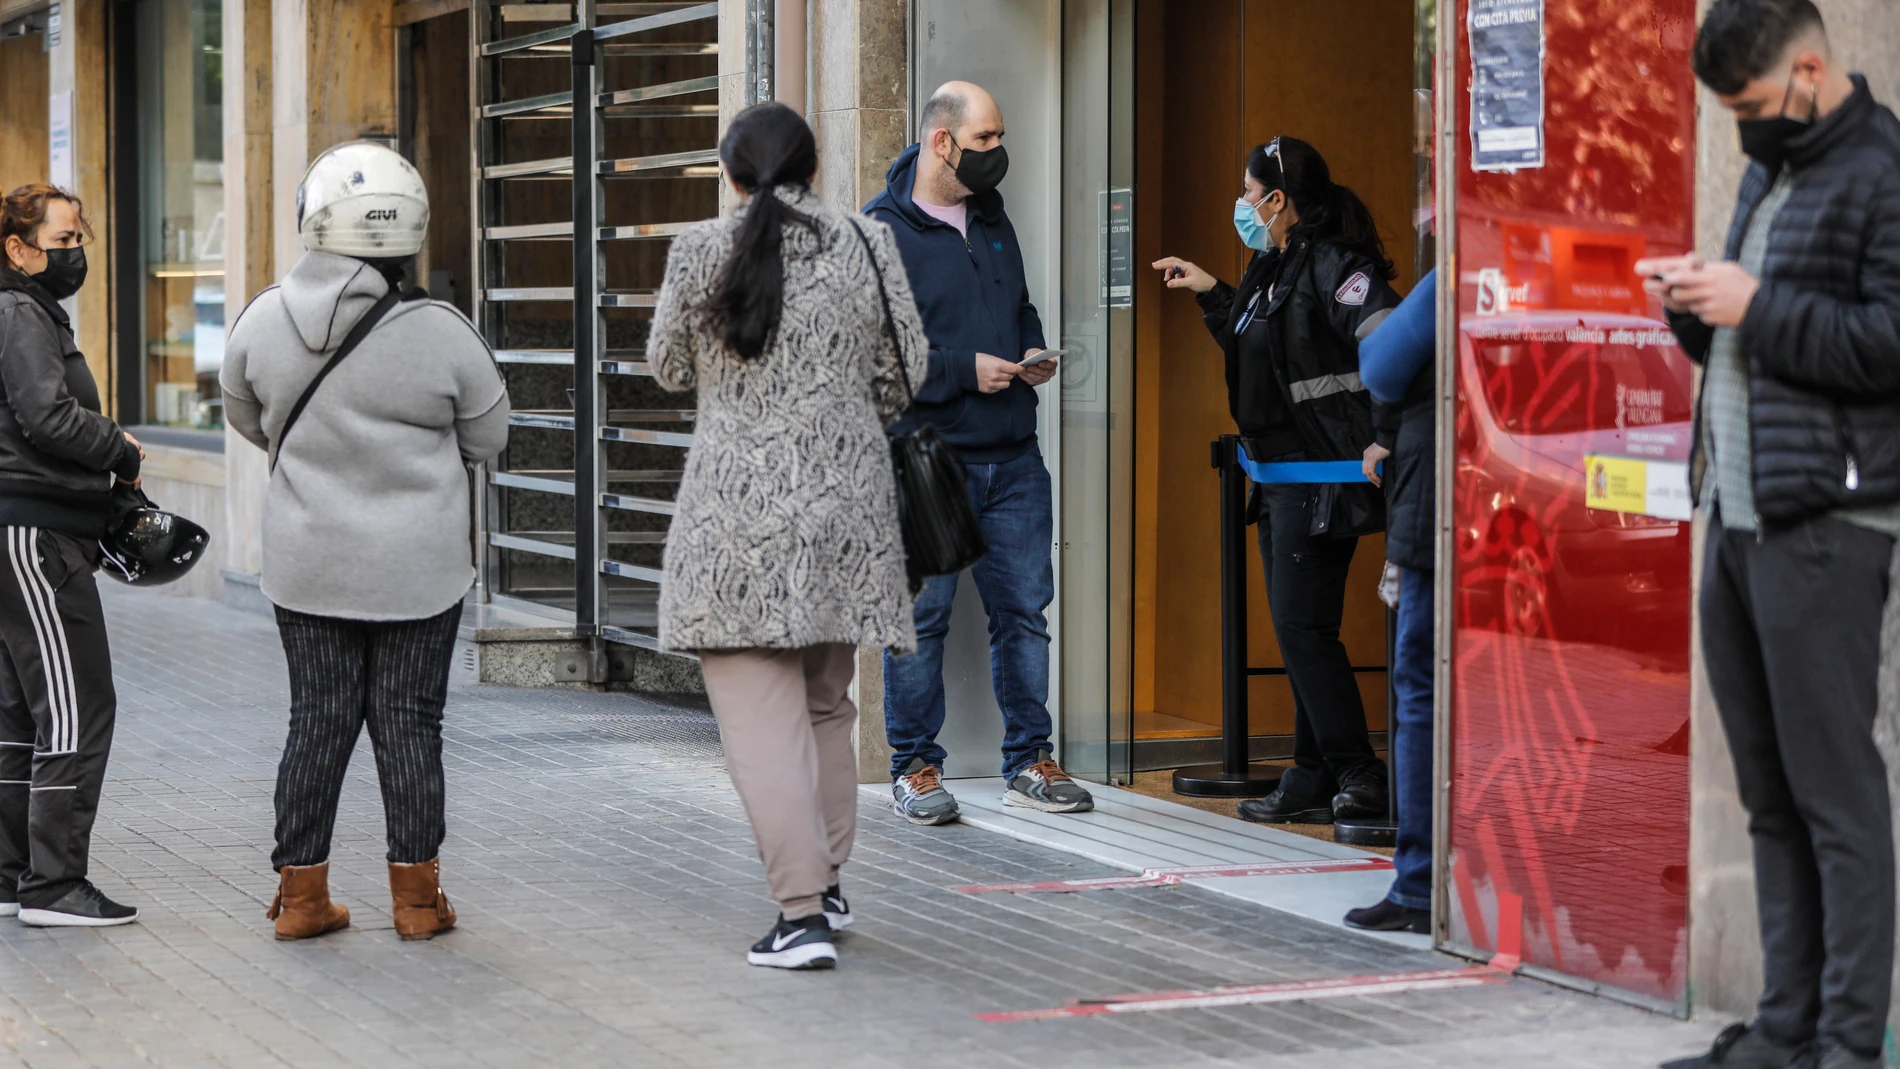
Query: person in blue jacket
column 966, row 270
column 1395, row 363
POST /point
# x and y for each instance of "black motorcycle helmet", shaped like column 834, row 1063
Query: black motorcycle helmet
column 144, row 546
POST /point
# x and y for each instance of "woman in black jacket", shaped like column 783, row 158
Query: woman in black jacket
column 1319, row 281
column 59, row 459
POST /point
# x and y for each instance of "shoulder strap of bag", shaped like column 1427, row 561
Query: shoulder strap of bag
column 890, row 325
column 350, row 342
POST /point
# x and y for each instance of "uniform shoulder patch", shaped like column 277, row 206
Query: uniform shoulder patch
column 1355, row 290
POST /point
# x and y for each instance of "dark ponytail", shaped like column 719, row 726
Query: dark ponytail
column 1328, row 211
column 766, row 146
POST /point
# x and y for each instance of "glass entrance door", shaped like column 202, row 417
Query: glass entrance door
column 1095, row 478
column 1566, row 623
column 1060, row 72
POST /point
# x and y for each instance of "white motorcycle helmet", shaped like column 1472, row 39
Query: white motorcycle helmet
column 364, row 200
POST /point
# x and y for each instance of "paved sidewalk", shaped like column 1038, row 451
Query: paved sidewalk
column 608, row 887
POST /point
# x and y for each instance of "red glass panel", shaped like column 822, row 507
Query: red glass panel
column 1570, row 691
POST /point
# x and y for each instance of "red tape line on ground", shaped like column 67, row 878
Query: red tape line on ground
column 1253, row 994
column 1170, row 876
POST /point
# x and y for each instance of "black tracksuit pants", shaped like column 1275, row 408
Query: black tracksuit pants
column 1306, row 593
column 1791, row 635
column 57, row 708
column 392, row 675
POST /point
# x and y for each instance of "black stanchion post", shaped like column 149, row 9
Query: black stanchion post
column 1235, row 776
column 1233, row 611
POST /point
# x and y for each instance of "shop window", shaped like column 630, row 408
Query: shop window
column 180, row 59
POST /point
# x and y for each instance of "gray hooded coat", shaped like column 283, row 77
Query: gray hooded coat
column 367, row 515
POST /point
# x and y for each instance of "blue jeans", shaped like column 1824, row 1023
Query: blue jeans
column 1017, row 580
column 1412, row 743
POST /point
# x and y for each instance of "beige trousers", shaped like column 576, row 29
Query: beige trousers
column 786, row 723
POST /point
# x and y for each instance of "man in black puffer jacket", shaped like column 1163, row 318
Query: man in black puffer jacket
column 1798, row 472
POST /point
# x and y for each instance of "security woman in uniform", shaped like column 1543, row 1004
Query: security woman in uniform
column 1319, row 281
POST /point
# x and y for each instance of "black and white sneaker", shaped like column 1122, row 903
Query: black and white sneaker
column 801, row 944
column 837, row 910
column 82, row 907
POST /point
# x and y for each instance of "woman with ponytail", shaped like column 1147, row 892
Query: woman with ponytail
column 784, row 555
column 1319, row 282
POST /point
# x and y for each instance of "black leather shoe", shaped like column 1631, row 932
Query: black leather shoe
column 1277, row 808
column 1742, row 1047
column 1362, row 794
column 1388, row 916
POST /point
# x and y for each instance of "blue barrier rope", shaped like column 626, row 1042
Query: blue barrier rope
column 1303, row 471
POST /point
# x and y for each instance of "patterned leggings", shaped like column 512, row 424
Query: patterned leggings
column 391, row 675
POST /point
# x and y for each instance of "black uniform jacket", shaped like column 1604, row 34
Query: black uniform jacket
column 1319, row 300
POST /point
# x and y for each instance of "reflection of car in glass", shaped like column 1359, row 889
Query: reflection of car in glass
column 1554, row 388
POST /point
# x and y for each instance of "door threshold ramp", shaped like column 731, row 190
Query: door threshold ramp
column 1316, row 879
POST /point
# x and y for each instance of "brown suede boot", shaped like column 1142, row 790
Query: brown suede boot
column 302, row 908
column 421, row 908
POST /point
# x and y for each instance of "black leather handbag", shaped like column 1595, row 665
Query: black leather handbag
column 941, row 532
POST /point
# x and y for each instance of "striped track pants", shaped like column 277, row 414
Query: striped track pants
column 56, row 712
column 391, row 675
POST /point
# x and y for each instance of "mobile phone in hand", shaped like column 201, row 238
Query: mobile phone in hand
column 1046, row 354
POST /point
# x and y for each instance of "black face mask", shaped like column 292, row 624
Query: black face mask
column 65, row 273
column 982, row 171
column 1766, row 140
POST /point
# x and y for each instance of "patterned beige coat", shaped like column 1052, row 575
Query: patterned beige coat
column 786, row 531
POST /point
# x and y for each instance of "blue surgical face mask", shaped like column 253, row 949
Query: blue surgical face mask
column 1253, row 233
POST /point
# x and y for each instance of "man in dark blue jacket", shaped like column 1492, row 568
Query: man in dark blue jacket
column 966, row 270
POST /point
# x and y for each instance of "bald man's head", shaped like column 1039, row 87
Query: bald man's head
column 966, row 111
column 959, row 118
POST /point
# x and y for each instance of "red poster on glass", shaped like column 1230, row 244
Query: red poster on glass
column 1569, row 698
